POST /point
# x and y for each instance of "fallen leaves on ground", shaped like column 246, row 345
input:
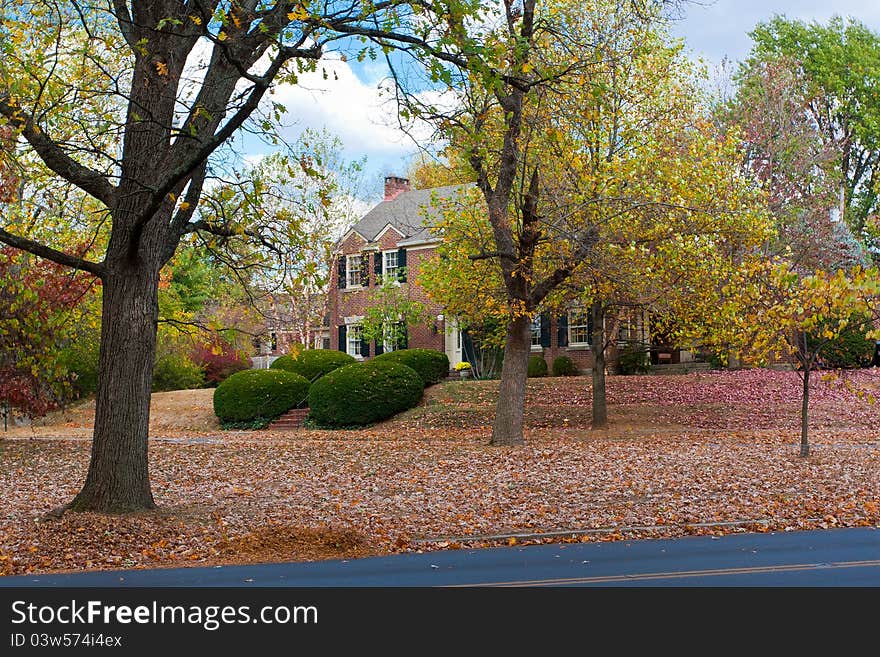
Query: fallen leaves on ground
column 721, row 457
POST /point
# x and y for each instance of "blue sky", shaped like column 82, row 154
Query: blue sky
column 350, row 104
column 717, row 29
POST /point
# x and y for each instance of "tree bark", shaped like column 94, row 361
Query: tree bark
column 118, row 477
column 508, row 429
column 805, row 405
column 600, row 406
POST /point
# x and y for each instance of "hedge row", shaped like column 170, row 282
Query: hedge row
column 431, row 365
column 313, row 363
column 364, row 393
column 258, row 395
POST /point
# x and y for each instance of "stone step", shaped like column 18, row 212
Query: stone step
column 292, row 419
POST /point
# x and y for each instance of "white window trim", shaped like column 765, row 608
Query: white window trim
column 396, row 280
column 571, row 343
column 387, row 345
column 639, row 323
column 348, row 328
column 348, row 284
column 536, row 347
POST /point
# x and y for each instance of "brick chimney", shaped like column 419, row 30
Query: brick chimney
column 394, row 186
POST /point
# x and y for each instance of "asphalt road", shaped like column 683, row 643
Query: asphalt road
column 840, row 557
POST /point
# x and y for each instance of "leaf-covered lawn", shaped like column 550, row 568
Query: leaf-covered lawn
column 683, row 451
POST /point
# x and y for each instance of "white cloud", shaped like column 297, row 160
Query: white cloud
column 363, row 115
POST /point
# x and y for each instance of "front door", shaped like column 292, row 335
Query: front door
column 453, row 343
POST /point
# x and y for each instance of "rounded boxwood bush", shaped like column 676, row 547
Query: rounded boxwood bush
column 431, row 365
column 564, row 366
column 258, row 395
column 537, row 366
column 850, row 349
column 313, row 363
column 364, row 393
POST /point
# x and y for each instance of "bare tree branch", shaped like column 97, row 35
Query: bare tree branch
column 89, row 180
column 48, row 253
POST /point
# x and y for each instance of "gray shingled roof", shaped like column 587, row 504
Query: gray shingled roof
column 412, row 213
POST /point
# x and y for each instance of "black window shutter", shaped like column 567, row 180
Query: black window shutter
column 340, row 270
column 380, row 348
column 365, row 348
column 403, row 338
column 342, row 344
column 377, row 266
column 545, row 330
column 401, row 265
column 562, row 330
column 365, row 269
column 590, row 327
column 468, row 352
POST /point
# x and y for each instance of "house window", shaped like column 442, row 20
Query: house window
column 389, row 265
column 389, row 343
column 629, row 330
column 536, row 331
column 354, row 334
column 353, row 264
column 579, row 327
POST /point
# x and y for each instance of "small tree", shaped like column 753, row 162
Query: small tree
column 389, row 312
column 40, row 304
column 769, row 312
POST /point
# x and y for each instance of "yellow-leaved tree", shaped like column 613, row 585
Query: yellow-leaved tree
column 619, row 189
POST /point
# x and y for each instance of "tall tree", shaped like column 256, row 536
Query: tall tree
column 837, row 69
column 164, row 115
column 587, row 146
column 799, row 169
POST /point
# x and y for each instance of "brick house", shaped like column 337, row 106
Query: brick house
column 394, row 238
column 391, row 239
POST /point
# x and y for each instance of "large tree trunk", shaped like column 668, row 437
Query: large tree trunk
column 600, row 407
column 508, row 429
column 118, row 476
column 805, row 405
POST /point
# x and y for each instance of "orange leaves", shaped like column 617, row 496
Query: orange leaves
column 401, row 487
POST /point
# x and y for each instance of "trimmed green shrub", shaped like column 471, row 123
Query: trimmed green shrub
column 537, row 366
column 564, row 366
column 364, row 393
column 430, row 364
column 850, row 349
column 254, row 395
column 175, row 371
column 633, row 358
column 313, row 363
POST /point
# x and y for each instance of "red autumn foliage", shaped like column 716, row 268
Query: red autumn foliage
column 219, row 360
column 35, row 296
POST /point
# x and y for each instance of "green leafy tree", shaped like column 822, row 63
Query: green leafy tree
column 389, row 313
column 837, row 70
column 132, row 125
